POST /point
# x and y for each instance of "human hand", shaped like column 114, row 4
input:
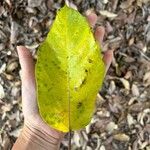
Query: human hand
column 34, row 127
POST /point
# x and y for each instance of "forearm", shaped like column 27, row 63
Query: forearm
column 32, row 138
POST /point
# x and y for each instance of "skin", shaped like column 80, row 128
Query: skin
column 34, row 126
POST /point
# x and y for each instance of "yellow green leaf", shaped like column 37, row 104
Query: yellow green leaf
column 69, row 72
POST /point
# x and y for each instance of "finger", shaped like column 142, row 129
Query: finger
column 26, row 62
column 29, row 103
column 92, row 18
column 99, row 34
column 107, row 58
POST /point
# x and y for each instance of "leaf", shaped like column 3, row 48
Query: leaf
column 2, row 93
column 69, row 72
column 125, row 83
column 108, row 14
column 121, row 137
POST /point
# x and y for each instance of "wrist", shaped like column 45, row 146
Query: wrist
column 36, row 122
column 38, row 136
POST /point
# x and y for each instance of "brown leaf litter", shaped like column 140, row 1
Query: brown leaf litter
column 122, row 118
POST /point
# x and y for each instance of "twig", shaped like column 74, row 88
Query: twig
column 69, row 145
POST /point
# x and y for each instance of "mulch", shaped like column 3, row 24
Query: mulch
column 122, row 118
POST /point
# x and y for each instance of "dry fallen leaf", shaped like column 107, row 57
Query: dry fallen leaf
column 140, row 2
column 126, row 4
column 6, row 107
column 77, row 138
column 111, row 126
column 122, row 137
column 2, row 93
column 12, row 66
column 135, row 90
column 146, row 78
column 112, row 87
column 108, row 14
column 16, row 132
column 2, row 68
column 130, row 120
column 128, row 34
column 125, row 83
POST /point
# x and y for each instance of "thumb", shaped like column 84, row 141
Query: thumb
column 26, row 62
column 29, row 103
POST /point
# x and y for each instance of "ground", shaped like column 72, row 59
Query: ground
column 122, row 118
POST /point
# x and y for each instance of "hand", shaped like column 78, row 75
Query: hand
column 33, row 120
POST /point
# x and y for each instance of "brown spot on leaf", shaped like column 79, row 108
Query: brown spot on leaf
column 79, row 104
column 90, row 60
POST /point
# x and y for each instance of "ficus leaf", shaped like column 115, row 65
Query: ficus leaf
column 69, row 72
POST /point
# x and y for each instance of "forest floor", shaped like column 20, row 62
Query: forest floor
column 122, row 117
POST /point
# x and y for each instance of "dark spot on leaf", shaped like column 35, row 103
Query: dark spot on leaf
column 54, row 63
column 86, row 70
column 45, row 84
column 49, row 89
column 90, row 60
column 75, row 88
column 79, row 104
column 39, row 68
column 58, row 120
column 83, row 82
